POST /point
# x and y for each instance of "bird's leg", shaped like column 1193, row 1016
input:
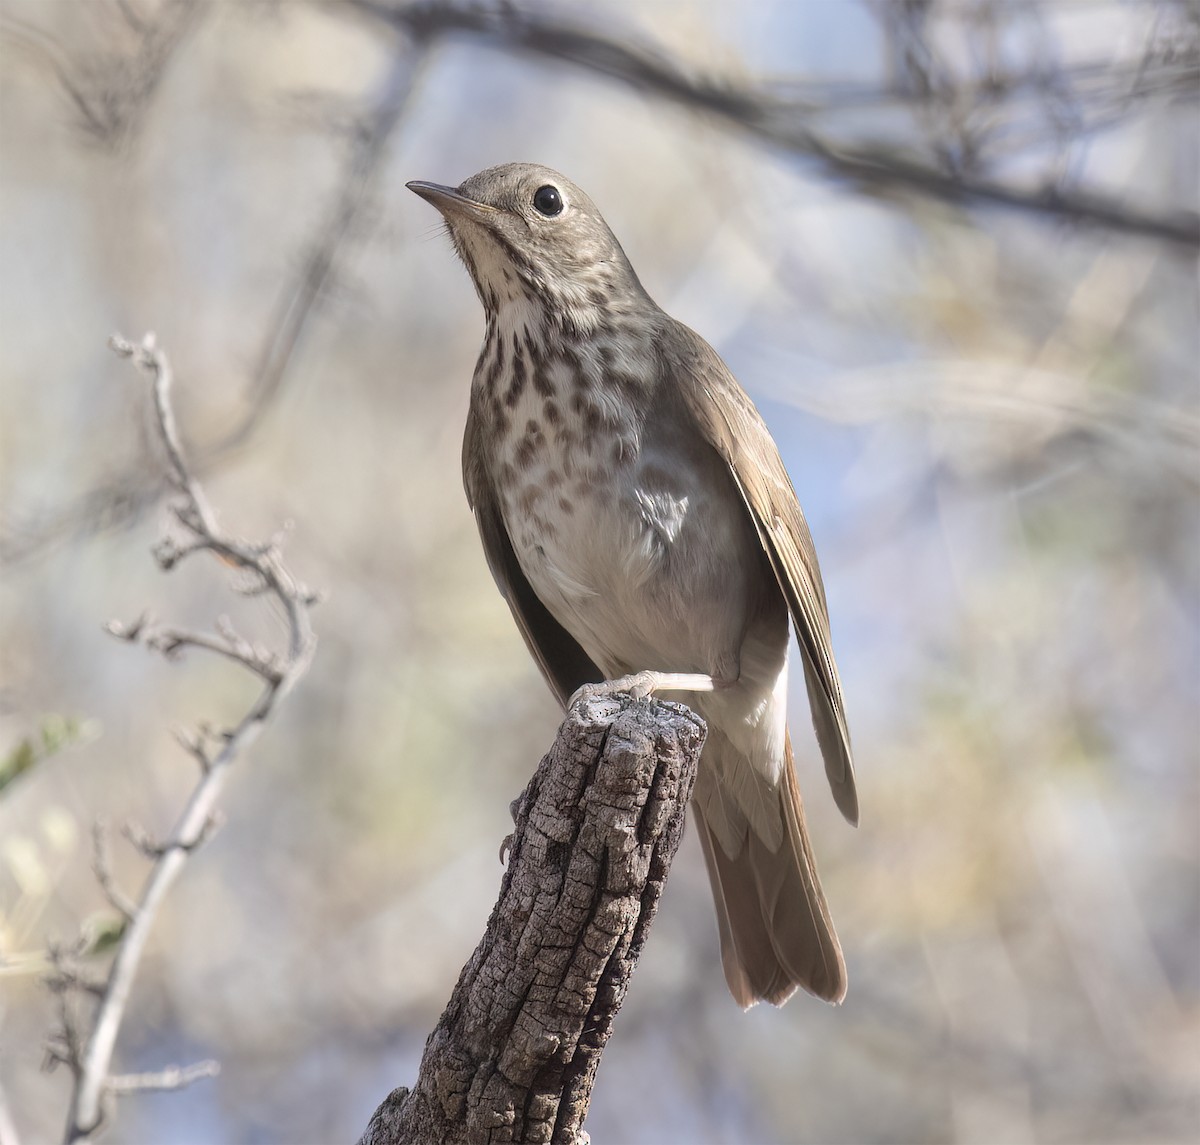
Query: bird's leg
column 642, row 684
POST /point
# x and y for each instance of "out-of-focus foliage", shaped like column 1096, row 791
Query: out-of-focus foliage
column 990, row 415
column 54, row 732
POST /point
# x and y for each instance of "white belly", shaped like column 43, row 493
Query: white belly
column 647, row 556
column 648, row 559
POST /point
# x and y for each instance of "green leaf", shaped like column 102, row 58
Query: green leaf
column 19, row 760
column 55, row 732
column 101, row 933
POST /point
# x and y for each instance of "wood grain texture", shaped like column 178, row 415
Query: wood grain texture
column 515, row 1053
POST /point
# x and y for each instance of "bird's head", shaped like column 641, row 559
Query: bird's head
column 526, row 234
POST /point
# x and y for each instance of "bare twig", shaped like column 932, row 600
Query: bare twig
column 193, row 743
column 1048, row 103
column 171, row 642
column 876, row 167
column 129, row 494
column 88, row 1052
column 298, row 301
column 102, row 866
column 173, row 1077
column 111, row 92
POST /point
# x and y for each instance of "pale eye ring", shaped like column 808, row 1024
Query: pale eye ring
column 548, row 201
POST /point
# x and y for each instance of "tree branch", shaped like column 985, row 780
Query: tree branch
column 514, row 1056
column 875, row 167
column 112, row 89
column 130, row 493
column 88, row 1051
column 173, row 1077
column 955, row 175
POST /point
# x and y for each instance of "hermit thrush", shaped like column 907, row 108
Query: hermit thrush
column 637, row 518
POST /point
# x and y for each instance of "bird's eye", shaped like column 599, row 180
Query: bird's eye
column 548, row 201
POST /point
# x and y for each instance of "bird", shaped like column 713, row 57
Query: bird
column 638, row 519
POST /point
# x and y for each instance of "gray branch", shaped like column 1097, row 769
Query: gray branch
column 881, row 168
column 172, row 1078
column 877, row 168
column 86, row 1045
column 111, row 90
column 129, row 493
column 514, row 1056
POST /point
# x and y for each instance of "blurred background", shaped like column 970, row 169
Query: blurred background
column 949, row 248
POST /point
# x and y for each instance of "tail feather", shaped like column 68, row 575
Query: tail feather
column 774, row 924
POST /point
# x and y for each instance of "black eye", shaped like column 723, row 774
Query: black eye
column 548, row 201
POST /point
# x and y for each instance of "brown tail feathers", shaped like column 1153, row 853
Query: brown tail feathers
column 776, row 933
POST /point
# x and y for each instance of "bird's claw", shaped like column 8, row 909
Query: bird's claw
column 639, row 685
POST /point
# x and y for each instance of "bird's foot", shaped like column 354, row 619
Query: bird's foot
column 643, row 684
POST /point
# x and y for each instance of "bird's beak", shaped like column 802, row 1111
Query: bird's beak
column 448, row 200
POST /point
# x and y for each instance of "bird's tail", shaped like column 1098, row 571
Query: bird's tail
column 776, row 933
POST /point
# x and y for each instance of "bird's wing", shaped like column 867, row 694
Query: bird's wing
column 726, row 417
column 563, row 662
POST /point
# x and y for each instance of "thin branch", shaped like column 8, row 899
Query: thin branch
column 193, row 742
column 102, row 867
column 112, row 91
column 171, row 642
column 129, row 494
column 172, row 1077
column 876, row 167
column 90, row 1056
column 197, row 514
column 783, row 114
column 141, row 841
column 370, row 146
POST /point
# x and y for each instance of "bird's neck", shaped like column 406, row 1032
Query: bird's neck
column 587, row 370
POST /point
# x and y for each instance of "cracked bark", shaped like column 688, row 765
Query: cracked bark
column 514, row 1055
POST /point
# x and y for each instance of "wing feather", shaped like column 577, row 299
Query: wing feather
column 726, row 417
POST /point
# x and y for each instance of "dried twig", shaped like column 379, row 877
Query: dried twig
column 876, row 167
column 102, row 866
column 86, row 1047
column 173, row 1077
column 784, row 114
column 130, row 493
column 111, row 91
